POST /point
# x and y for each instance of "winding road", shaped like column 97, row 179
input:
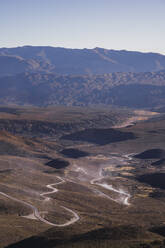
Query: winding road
column 54, row 190
column 36, row 212
column 124, row 197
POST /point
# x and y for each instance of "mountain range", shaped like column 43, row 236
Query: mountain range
column 44, row 76
column 76, row 61
column 122, row 89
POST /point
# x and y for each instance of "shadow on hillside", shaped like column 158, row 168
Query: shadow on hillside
column 59, row 238
column 156, row 180
column 57, row 163
column 74, row 153
column 100, row 136
column 151, row 154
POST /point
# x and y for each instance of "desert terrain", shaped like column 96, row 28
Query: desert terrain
column 76, row 178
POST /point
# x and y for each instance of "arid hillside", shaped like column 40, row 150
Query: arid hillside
column 70, row 177
column 139, row 90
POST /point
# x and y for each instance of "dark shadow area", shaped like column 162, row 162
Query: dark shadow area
column 100, row 136
column 158, row 230
column 59, row 238
column 58, row 163
column 156, row 180
column 6, row 171
column 151, row 154
column 159, row 162
column 74, row 153
column 158, row 194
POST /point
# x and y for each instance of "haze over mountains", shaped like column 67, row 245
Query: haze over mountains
column 48, row 75
column 76, row 61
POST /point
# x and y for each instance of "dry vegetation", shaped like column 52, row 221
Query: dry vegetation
column 103, row 223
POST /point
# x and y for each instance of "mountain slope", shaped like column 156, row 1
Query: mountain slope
column 122, row 89
column 12, row 64
column 86, row 61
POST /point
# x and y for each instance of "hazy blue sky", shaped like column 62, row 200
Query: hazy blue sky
column 112, row 24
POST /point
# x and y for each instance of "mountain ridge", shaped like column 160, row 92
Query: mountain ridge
column 42, row 76
column 82, row 61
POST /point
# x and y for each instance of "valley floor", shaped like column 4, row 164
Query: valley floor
column 93, row 200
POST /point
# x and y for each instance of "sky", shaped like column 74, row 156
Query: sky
column 137, row 25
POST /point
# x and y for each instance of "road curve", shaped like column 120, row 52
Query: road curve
column 54, row 190
column 36, row 212
column 124, row 197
